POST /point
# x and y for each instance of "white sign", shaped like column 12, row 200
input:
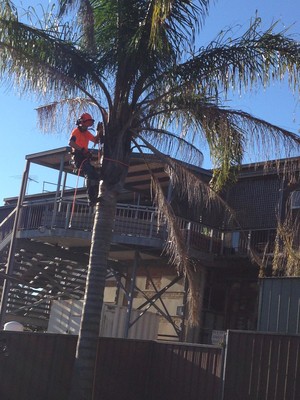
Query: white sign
column 218, row 337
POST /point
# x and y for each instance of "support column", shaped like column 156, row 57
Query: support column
column 62, row 191
column 12, row 248
column 131, row 293
column 57, row 190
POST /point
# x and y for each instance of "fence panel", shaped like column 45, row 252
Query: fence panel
column 39, row 366
column 190, row 372
column 262, row 366
column 122, row 369
column 35, row 366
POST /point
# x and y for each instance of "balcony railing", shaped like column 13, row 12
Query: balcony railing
column 6, row 226
column 136, row 221
column 131, row 220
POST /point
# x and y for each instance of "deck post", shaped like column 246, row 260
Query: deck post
column 12, row 248
column 131, row 293
column 55, row 209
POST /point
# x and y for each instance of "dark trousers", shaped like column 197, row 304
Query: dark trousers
column 88, row 170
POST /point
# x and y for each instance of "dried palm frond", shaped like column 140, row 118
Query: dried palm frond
column 52, row 117
column 286, row 259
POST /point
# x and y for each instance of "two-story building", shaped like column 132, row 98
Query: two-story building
column 45, row 241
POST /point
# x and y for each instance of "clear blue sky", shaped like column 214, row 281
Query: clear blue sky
column 276, row 104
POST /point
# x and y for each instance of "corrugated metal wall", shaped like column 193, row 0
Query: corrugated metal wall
column 65, row 317
column 262, row 367
column 279, row 305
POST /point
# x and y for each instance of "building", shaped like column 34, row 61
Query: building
column 45, row 240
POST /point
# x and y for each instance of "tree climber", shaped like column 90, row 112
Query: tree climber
column 79, row 141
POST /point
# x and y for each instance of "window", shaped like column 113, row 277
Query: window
column 295, row 199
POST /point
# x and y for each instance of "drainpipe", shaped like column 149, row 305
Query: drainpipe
column 12, row 248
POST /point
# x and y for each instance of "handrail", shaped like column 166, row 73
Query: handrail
column 6, row 225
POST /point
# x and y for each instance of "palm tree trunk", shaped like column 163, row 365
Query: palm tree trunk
column 82, row 386
column 196, row 281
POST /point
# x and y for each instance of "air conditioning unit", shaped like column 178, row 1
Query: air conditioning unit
column 295, row 199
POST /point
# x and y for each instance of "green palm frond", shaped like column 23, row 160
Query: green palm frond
column 256, row 58
column 45, row 62
column 229, row 133
column 169, row 143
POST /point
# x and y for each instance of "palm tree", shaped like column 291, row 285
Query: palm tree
column 135, row 61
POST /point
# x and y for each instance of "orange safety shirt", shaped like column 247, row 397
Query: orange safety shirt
column 82, row 139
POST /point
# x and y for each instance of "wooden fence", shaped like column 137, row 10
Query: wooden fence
column 254, row 366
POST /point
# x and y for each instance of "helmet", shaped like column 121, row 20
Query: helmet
column 85, row 120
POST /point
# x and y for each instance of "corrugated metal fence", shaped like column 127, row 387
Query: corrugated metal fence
column 39, row 367
column 262, row 366
column 257, row 367
column 35, row 366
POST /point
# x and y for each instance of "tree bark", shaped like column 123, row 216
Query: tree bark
column 82, row 386
column 196, row 280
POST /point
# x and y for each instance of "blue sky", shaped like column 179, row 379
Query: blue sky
column 276, row 104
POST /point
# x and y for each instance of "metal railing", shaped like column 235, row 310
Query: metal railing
column 131, row 220
column 6, row 225
column 138, row 221
column 6, row 228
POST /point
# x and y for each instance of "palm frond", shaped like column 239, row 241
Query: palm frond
column 44, row 63
column 230, row 134
column 286, row 260
column 175, row 244
column 189, row 184
column 85, row 20
column 65, row 112
column 257, row 58
column 175, row 20
column 192, row 187
column 177, row 250
column 170, row 143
